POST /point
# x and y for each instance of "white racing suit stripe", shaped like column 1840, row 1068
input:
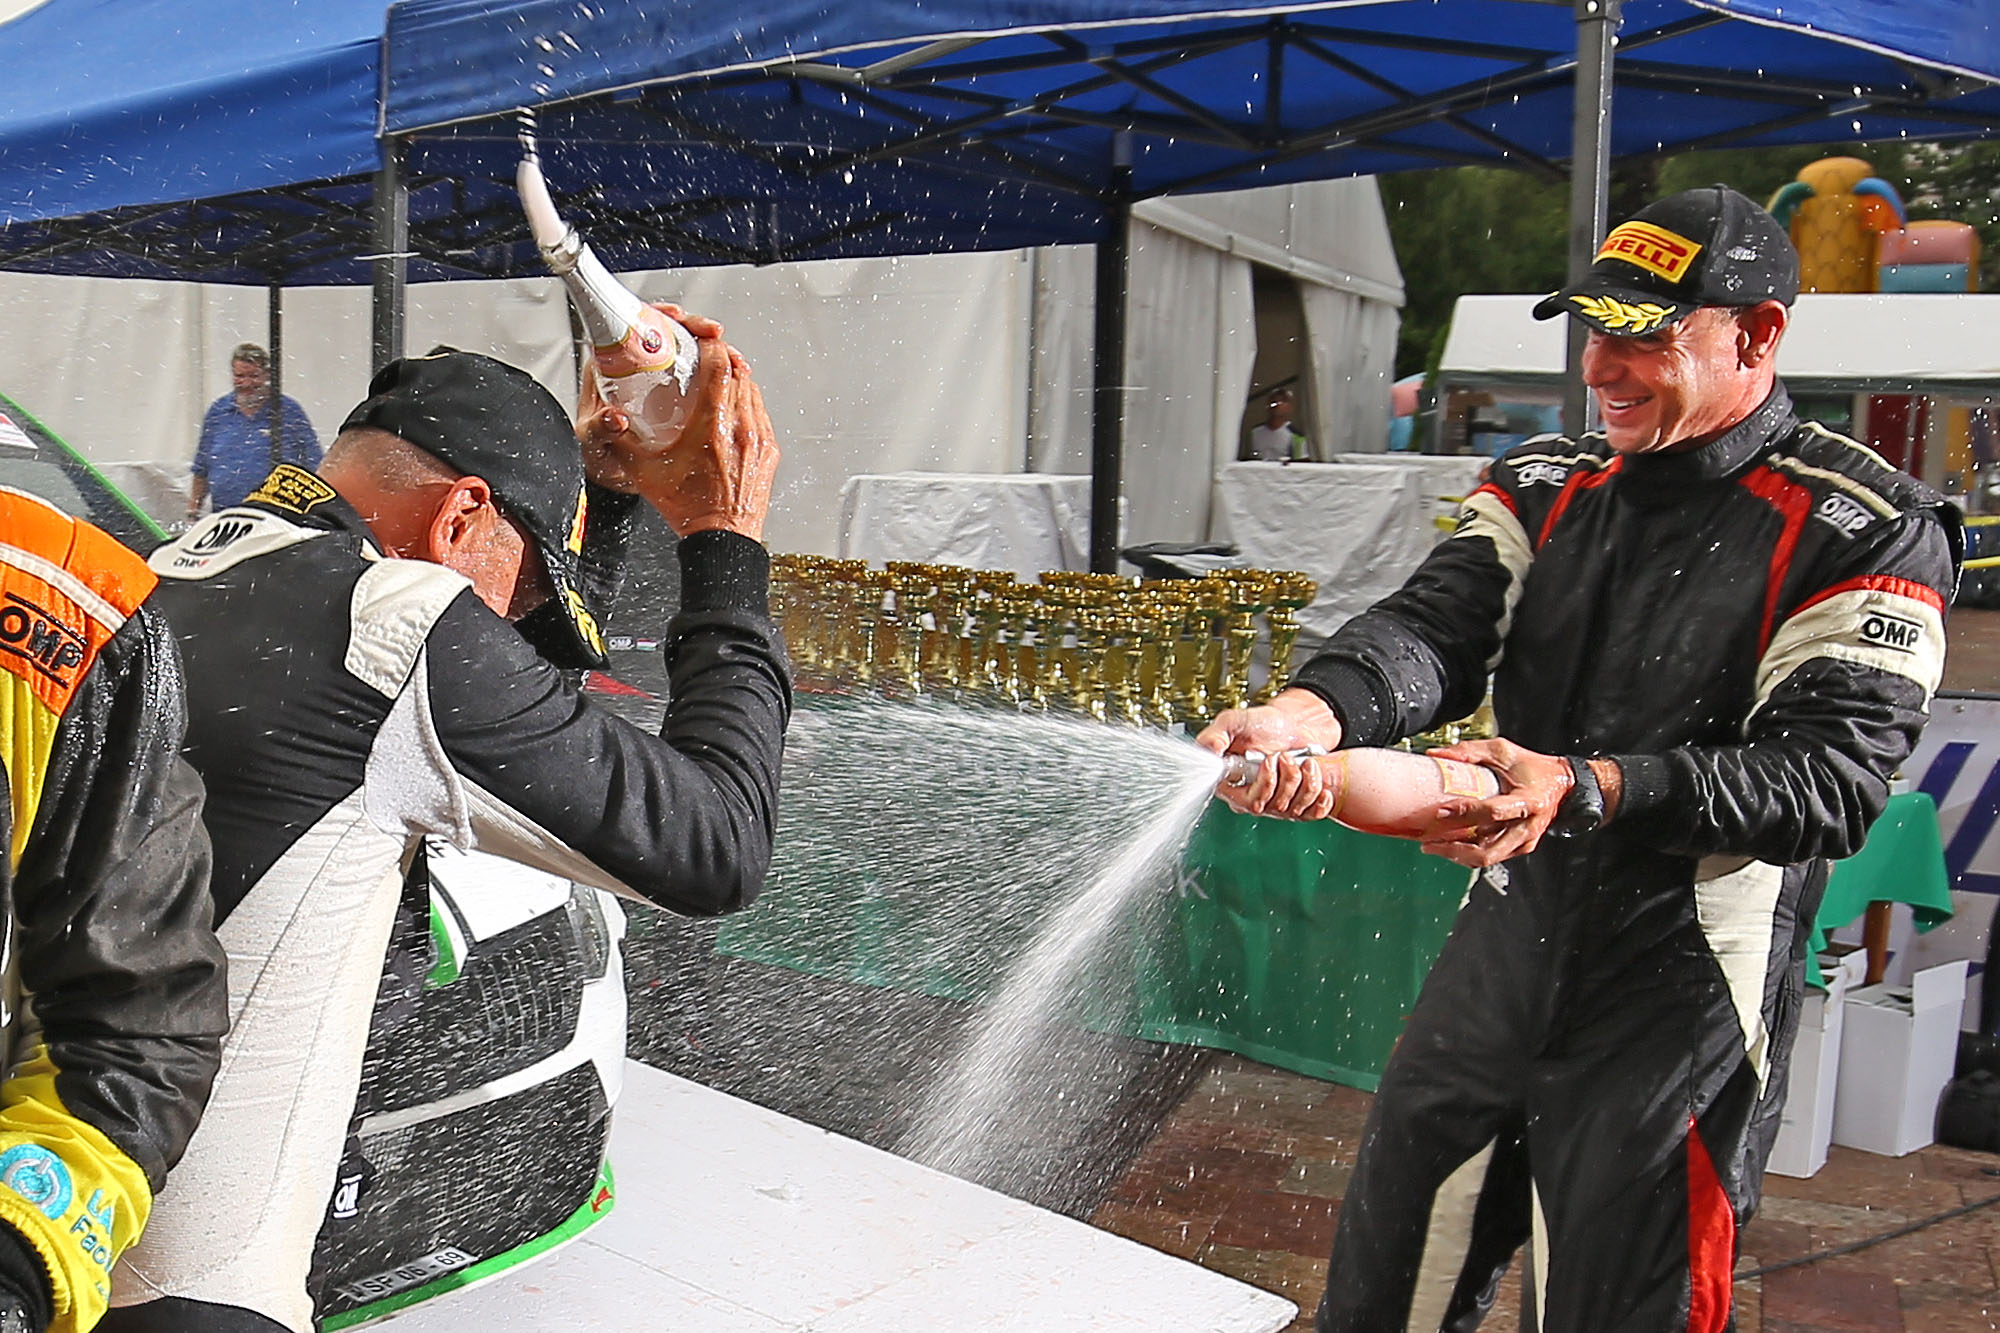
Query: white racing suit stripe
column 1737, row 904
column 1486, row 513
column 1447, row 1242
column 1882, row 623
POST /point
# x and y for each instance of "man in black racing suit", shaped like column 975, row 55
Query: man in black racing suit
column 115, row 1002
column 356, row 685
column 1713, row 632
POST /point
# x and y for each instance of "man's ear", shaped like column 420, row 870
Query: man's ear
column 1758, row 330
column 460, row 517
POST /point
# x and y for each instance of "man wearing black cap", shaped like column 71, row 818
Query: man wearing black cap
column 356, row 684
column 1712, row 631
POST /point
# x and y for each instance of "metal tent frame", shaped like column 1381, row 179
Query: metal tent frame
column 1014, row 136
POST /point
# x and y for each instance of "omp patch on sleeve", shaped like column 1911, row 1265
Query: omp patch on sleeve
column 65, row 589
column 1889, row 624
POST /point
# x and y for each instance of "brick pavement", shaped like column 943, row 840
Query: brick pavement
column 1246, row 1176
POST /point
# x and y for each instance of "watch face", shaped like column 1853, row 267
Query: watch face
column 12, row 1320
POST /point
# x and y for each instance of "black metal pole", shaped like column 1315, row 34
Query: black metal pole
column 1107, row 403
column 1589, row 178
column 275, row 341
column 392, row 247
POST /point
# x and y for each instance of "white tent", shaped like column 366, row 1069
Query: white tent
column 975, row 363
column 1941, row 347
column 1874, row 343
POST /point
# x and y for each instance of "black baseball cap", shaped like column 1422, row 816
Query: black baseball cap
column 1700, row 247
column 488, row 419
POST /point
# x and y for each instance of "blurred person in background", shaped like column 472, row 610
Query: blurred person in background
column 236, row 452
column 1277, row 440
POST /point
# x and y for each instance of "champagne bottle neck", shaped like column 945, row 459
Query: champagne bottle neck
column 606, row 307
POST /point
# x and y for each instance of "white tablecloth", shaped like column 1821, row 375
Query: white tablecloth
column 1025, row 522
column 1358, row 529
column 734, row 1219
column 1451, row 474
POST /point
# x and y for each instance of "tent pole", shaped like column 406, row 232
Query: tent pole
column 275, row 342
column 1107, row 402
column 1589, row 179
column 392, row 248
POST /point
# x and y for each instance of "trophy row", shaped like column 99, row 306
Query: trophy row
column 1154, row 653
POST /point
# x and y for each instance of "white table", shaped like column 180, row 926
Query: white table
column 1357, row 528
column 734, row 1219
column 1025, row 522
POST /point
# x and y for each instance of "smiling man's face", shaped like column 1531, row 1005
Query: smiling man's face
column 1675, row 388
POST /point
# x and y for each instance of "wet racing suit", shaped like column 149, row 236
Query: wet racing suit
column 115, row 1002
column 1753, row 630
column 342, row 706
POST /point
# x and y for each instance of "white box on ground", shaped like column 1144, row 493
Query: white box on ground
column 1807, row 1125
column 1896, row 1055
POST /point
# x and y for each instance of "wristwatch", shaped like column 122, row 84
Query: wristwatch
column 1582, row 808
column 13, row 1319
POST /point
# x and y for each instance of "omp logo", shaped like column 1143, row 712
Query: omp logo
column 1887, row 631
column 48, row 645
column 1542, row 474
column 1849, row 516
column 1654, row 249
column 224, row 532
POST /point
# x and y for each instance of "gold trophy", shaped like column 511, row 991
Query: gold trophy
column 1291, row 592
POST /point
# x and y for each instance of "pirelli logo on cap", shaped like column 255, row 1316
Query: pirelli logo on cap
column 1654, row 249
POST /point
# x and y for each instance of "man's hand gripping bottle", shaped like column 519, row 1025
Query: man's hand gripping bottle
column 644, row 361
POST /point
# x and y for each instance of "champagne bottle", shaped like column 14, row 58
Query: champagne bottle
column 1390, row 792
column 644, row 361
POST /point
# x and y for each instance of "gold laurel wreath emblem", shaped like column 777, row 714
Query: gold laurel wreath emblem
column 1621, row 316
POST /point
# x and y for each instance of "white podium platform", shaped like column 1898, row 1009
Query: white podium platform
column 734, row 1219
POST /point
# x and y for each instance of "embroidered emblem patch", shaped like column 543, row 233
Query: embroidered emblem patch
column 1623, row 316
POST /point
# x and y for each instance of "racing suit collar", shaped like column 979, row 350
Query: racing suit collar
column 1723, row 456
column 302, row 498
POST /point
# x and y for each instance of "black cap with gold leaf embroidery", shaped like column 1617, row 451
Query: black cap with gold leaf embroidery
column 488, row 419
column 1710, row 246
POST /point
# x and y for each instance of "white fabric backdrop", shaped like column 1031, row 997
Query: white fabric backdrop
column 1061, row 341
column 1353, row 347
column 867, row 365
column 873, row 365
column 1023, row 522
column 1357, row 529
column 961, row 363
column 1187, row 351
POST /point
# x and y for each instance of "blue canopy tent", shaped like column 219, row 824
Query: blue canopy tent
column 682, row 134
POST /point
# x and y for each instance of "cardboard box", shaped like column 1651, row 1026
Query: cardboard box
column 1897, row 1048
column 1806, row 1127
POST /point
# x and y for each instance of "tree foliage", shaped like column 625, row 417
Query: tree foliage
column 1492, row 229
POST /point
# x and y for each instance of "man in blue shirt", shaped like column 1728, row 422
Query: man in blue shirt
column 235, row 452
